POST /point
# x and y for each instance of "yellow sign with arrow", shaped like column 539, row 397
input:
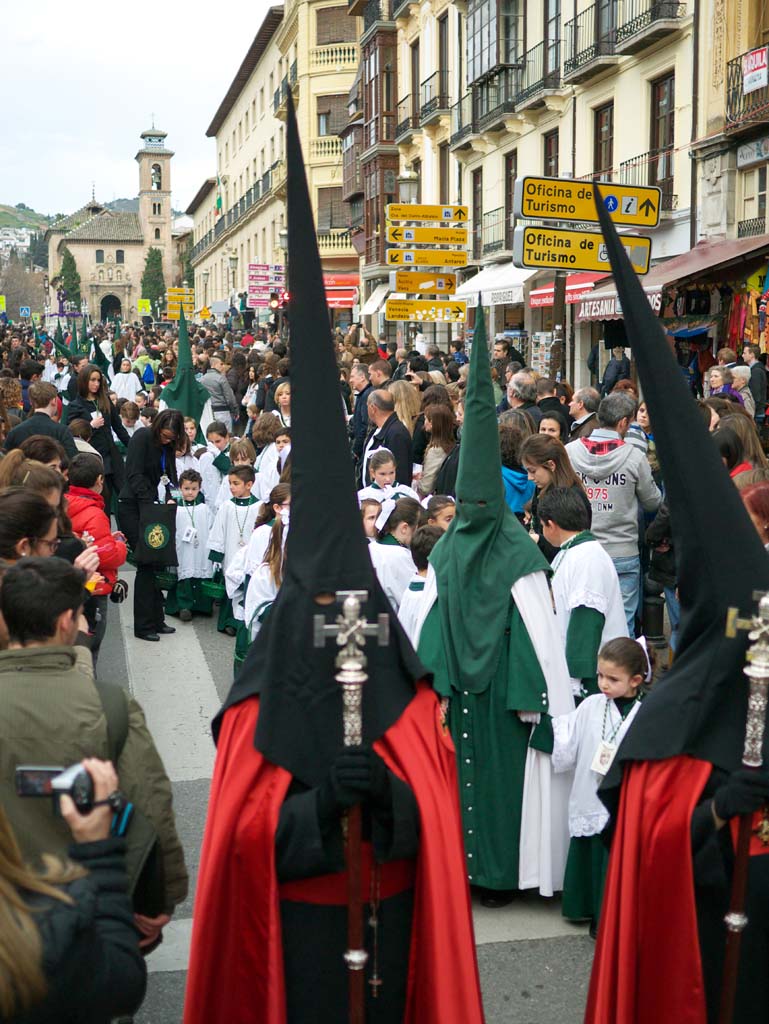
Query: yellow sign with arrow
column 426, row 236
column 415, row 211
column 426, row 311
column 426, row 258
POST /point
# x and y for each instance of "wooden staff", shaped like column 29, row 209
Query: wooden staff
column 350, row 631
column 757, row 671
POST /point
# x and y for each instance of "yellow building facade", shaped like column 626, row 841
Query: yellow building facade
column 310, row 47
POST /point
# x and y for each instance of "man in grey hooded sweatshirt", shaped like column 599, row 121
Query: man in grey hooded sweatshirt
column 616, row 477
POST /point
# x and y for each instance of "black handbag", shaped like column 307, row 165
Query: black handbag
column 157, row 535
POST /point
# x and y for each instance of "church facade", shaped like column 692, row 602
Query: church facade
column 110, row 247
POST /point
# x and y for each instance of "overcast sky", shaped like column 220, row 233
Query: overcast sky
column 81, row 81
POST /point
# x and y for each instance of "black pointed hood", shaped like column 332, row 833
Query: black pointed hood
column 300, row 717
column 700, row 705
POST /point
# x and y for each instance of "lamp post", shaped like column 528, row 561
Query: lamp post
column 283, row 243
column 204, row 276
column 233, row 267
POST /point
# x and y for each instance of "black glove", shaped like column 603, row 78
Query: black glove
column 745, row 792
column 357, row 774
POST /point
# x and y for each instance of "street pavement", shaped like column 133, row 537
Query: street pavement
column 534, row 965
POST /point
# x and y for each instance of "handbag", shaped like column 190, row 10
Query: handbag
column 157, row 535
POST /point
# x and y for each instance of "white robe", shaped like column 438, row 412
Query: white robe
column 410, row 611
column 381, row 493
column 126, row 385
column 259, row 596
column 394, row 567
column 544, row 842
column 194, row 563
column 576, row 740
column 585, row 576
column 268, row 469
column 233, row 524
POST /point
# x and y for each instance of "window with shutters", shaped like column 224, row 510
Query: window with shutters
column 332, row 212
column 99, row 255
column 120, row 256
column 331, row 114
column 334, row 25
column 550, row 153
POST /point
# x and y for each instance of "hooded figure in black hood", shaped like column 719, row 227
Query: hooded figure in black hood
column 676, row 785
column 270, row 914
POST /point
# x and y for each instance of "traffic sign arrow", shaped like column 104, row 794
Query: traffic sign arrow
column 561, row 249
column 419, row 212
column 415, row 283
column 393, row 255
column 396, row 234
column 569, row 200
column 427, row 236
column 648, row 206
column 426, row 310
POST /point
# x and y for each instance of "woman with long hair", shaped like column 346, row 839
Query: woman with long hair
column 68, row 945
column 93, row 405
column 283, row 404
column 407, row 403
column 441, row 425
column 546, row 461
column 150, row 462
column 434, row 394
column 745, row 428
column 755, row 497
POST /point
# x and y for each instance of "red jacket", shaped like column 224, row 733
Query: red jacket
column 86, row 510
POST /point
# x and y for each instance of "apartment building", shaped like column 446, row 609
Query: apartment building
column 309, row 47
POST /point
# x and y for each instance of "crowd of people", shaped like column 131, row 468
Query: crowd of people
column 98, row 470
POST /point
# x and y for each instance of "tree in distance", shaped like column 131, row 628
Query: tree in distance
column 153, row 284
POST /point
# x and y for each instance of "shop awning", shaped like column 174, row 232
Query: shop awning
column 577, row 287
column 375, row 301
column 499, row 285
column 341, row 290
column 706, row 257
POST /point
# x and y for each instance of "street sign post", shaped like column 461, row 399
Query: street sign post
column 25, row 312
column 563, row 199
column 426, row 236
column 180, row 298
column 144, row 307
column 426, row 311
column 414, row 282
column 563, row 249
column 426, row 258
column 415, row 211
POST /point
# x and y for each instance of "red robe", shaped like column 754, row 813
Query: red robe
column 236, row 963
column 647, row 965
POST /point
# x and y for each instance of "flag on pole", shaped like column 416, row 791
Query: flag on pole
column 218, row 205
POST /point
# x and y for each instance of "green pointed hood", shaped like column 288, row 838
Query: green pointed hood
column 58, row 342
column 485, row 550
column 84, row 347
column 184, row 392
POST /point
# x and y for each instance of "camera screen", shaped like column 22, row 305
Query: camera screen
column 35, row 780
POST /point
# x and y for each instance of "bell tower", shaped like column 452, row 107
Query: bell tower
column 155, row 196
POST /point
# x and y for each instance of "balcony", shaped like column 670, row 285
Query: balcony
column 278, row 179
column 327, row 149
column 434, row 96
column 590, row 44
column 463, row 123
column 357, row 7
column 401, row 8
column 336, row 57
column 743, row 110
column 541, row 76
column 751, row 228
column 494, row 98
column 352, row 170
column 335, row 242
column 407, row 119
column 279, row 101
column 376, row 12
column 271, row 184
column 642, row 22
column 653, row 168
column 475, row 239
column 496, row 233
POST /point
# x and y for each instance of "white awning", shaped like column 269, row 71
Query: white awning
column 375, row 300
column 499, row 285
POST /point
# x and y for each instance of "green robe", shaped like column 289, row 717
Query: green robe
column 491, row 744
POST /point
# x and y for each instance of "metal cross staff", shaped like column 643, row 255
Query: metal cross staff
column 350, row 632
column 757, row 671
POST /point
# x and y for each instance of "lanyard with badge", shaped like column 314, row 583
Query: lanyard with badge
column 607, row 748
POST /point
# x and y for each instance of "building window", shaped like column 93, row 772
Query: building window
column 754, row 194
column 662, row 132
column 120, row 256
column 331, row 114
column 261, row 100
column 552, row 35
column 157, row 234
column 99, row 255
column 415, row 79
column 511, row 173
column 603, row 141
column 444, row 164
column 511, row 31
column 477, row 211
column 550, row 147
column 333, row 25
column 332, row 210
column 481, row 38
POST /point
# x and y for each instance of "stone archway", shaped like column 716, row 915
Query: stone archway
column 110, row 308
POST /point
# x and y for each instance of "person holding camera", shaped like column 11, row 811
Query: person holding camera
column 53, row 713
column 68, row 946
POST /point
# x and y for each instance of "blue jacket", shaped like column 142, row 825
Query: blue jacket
column 518, row 488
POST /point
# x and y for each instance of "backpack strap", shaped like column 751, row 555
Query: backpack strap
column 113, row 701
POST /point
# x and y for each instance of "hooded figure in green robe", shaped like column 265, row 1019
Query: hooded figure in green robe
column 488, row 633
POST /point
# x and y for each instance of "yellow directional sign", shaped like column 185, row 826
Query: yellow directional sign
column 415, row 283
column 565, row 200
column 414, row 211
column 2, row 303
column 426, row 236
column 144, row 307
column 561, row 249
column 426, row 258
column 425, row 311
